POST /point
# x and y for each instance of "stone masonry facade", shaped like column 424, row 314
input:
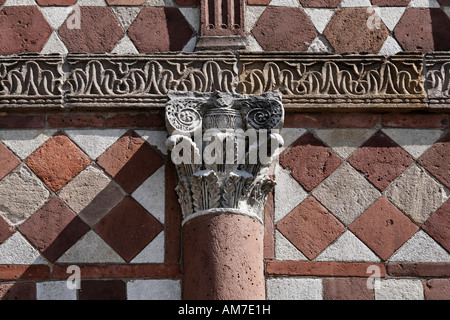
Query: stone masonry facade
column 361, row 206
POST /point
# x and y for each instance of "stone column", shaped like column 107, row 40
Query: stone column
column 222, row 25
column 223, row 145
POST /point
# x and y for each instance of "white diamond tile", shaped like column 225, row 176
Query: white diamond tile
column 154, row 289
column 391, row 15
column 25, row 142
column 319, row 17
column 414, row 141
column 153, row 252
column 390, row 47
column 344, row 141
column 125, row 46
column 285, row 250
column 424, row 4
column 288, row 193
column 346, row 194
column 151, row 194
column 421, row 248
column 347, row 248
column 90, row 249
column 155, row 138
column 417, row 194
column 17, row 250
column 95, row 142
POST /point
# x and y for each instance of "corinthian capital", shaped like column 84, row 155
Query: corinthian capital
column 223, row 145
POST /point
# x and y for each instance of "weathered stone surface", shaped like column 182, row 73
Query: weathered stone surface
column 91, row 195
column 91, row 249
column 437, row 289
column 99, row 30
column 347, row 248
column 344, row 141
column 294, row 32
column 102, row 290
column 399, row 289
column 437, row 226
column 309, row 80
column 310, row 161
column 57, row 161
column 381, row 160
column 294, row 289
column 54, row 290
column 56, row 2
column 154, row 289
column 16, row 250
column 8, row 161
column 415, row 141
column 426, row 36
column 383, row 228
column 158, row 73
column 21, row 194
column 25, row 142
column 346, row 194
column 310, row 227
column 5, row 230
column 30, row 35
column 229, row 269
column 159, row 30
column 30, row 82
column 347, row 289
column 128, row 228
column 320, row 3
column 53, row 229
column 18, row 291
column 391, row 3
column 437, row 79
column 435, row 160
column 417, row 194
column 130, row 161
column 125, row 2
column 348, row 31
column 421, row 248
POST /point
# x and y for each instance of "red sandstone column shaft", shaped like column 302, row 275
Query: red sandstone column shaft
column 223, row 258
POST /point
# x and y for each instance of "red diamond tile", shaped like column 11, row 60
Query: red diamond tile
column 310, row 160
column 310, row 227
column 98, row 31
column 437, row 160
column 53, row 229
column 8, row 161
column 348, row 31
column 23, row 29
column 320, row 3
column 381, row 160
column 130, row 161
column 103, row 290
column 431, row 34
column 294, row 32
column 128, row 228
column 159, row 30
column 5, row 230
column 57, row 161
column 383, row 228
column 438, row 226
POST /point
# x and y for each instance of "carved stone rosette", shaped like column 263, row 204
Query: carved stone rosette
column 223, row 145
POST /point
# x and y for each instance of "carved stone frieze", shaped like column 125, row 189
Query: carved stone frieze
column 144, row 80
column 437, row 79
column 318, row 81
column 31, row 81
column 223, row 145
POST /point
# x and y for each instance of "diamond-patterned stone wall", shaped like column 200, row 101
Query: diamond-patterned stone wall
column 143, row 26
column 90, row 197
column 354, row 192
